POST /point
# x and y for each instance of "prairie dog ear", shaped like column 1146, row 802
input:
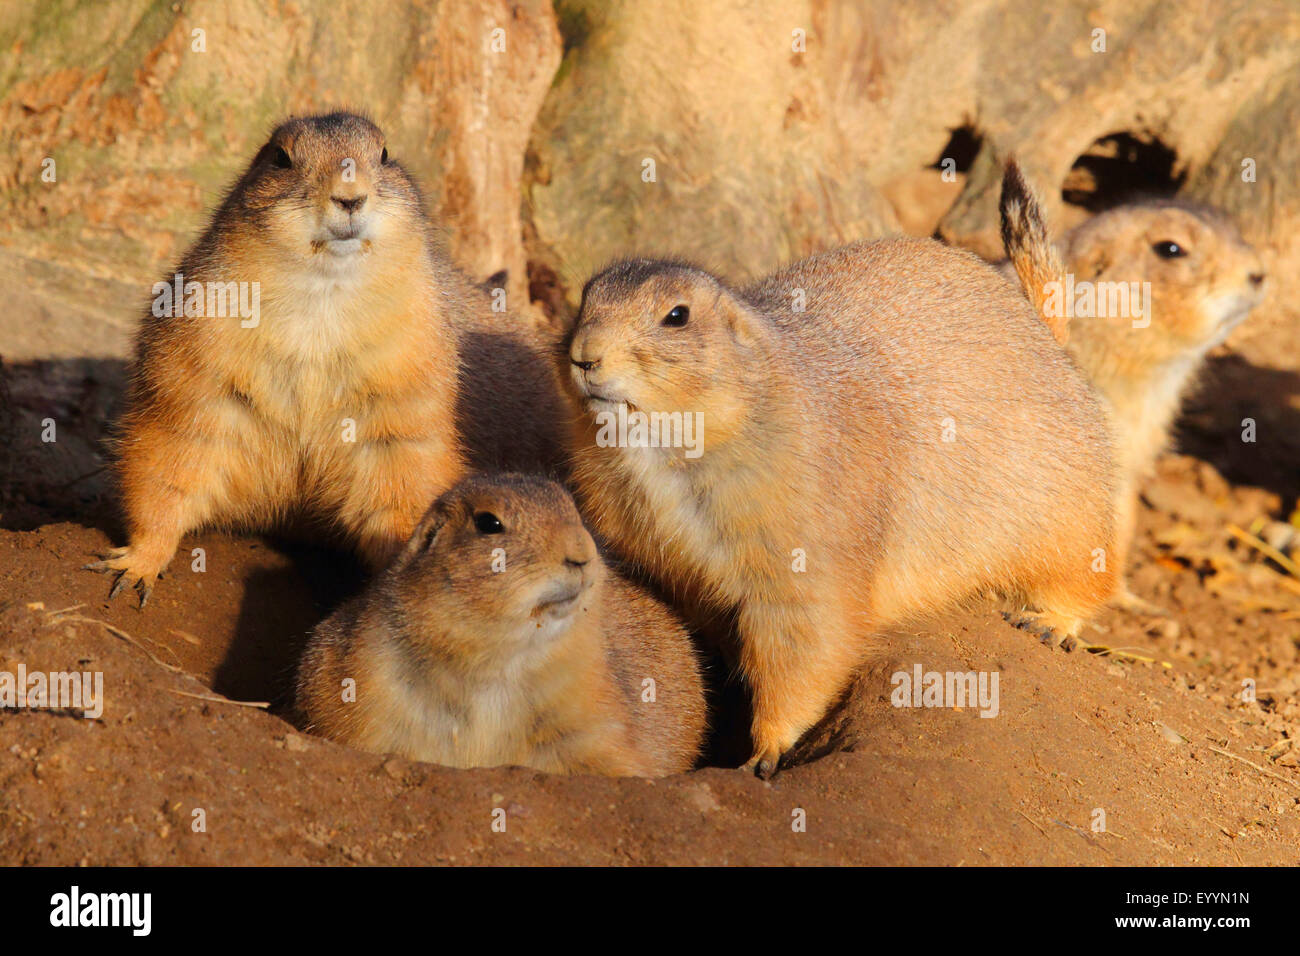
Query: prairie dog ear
column 746, row 327
column 1088, row 263
column 425, row 534
column 274, row 153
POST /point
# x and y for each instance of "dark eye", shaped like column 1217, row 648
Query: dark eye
column 488, row 523
column 383, row 157
column 280, row 159
column 677, row 317
column 1169, row 250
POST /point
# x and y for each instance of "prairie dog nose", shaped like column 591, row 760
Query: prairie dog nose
column 349, row 205
column 580, row 550
column 590, row 345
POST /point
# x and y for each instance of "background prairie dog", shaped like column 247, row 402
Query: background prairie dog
column 541, row 664
column 510, row 408
column 342, row 396
column 1203, row 281
column 887, row 428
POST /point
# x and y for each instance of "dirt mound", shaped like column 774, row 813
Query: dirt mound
column 1183, row 770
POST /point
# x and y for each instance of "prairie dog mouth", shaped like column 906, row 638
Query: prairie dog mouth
column 341, row 248
column 558, row 608
column 1233, row 309
column 597, row 402
column 562, row 599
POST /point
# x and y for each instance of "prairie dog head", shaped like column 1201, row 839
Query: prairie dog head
column 324, row 193
column 502, row 563
column 662, row 337
column 1204, row 277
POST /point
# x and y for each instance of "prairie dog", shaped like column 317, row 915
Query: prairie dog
column 510, row 406
column 336, row 396
column 535, row 654
column 1203, row 279
column 887, row 428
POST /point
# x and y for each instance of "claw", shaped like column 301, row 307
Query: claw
column 763, row 766
column 121, row 561
column 1046, row 635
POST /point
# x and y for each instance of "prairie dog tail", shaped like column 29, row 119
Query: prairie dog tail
column 1024, row 237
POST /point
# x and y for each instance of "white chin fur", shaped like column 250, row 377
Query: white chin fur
column 342, row 248
column 595, row 405
column 1230, row 311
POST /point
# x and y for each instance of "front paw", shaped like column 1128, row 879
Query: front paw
column 764, row 764
column 1051, row 629
column 131, row 571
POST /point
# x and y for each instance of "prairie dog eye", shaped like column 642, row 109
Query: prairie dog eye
column 1168, row 250
column 488, row 523
column 281, row 159
column 677, row 317
column 383, row 157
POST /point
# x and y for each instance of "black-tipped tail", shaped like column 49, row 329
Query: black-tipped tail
column 1025, row 239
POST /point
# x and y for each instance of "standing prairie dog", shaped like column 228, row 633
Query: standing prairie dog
column 886, row 428
column 340, row 394
column 499, row 637
column 1189, row 279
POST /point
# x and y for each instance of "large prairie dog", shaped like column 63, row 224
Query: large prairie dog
column 1202, row 279
column 340, row 395
column 499, row 637
column 886, row 428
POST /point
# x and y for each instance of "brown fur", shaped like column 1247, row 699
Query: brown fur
column 510, row 407
column 824, row 431
column 1032, row 256
column 460, row 665
column 1197, row 299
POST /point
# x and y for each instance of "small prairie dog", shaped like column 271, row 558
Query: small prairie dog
column 333, row 393
column 499, row 637
column 1202, row 280
column 886, row 428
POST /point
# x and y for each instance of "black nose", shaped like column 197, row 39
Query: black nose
column 585, row 366
column 349, row 205
column 1257, row 278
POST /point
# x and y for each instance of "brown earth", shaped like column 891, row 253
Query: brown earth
column 1156, row 735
